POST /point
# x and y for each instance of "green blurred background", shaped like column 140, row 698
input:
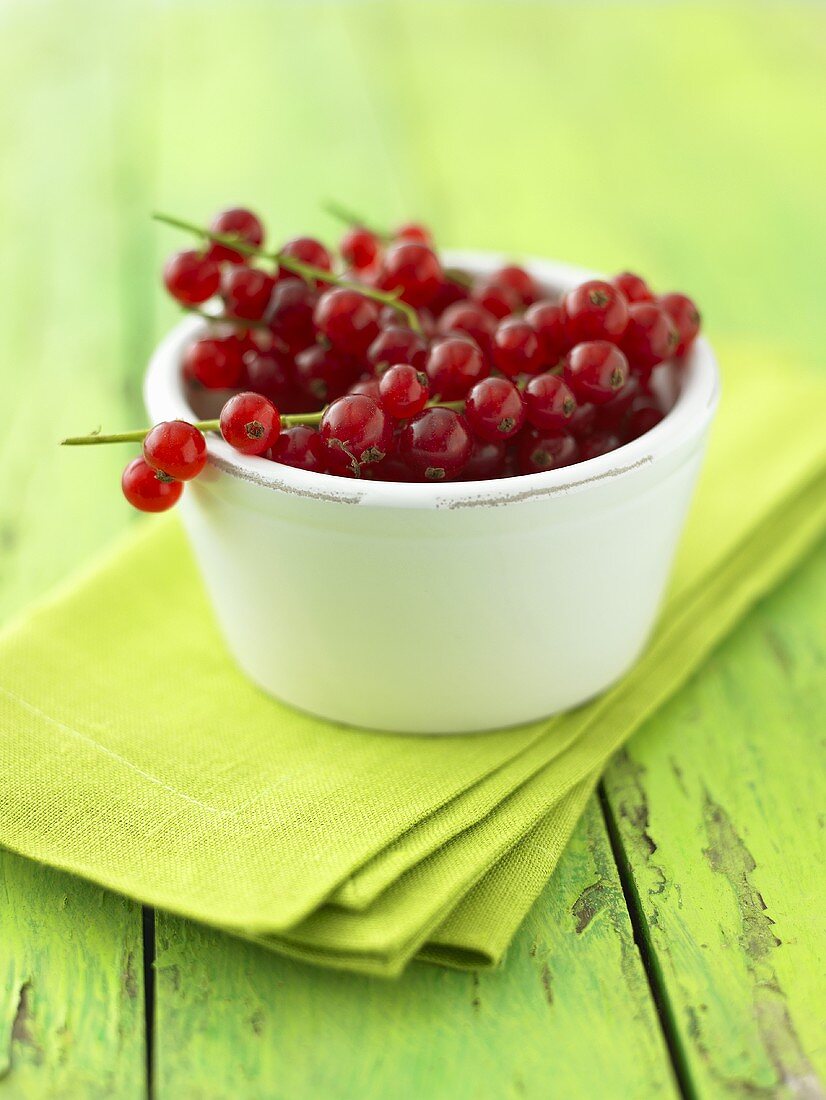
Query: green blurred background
column 686, row 141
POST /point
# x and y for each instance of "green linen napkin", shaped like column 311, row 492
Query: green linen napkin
column 136, row 755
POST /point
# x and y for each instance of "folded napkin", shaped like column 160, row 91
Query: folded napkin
column 135, row 754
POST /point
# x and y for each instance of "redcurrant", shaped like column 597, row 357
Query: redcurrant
column 686, row 317
column 250, row 423
column 300, row 447
column 598, row 443
column 453, row 365
column 323, row 373
column 147, row 489
column 547, row 319
column 214, row 362
column 516, row 348
column 595, row 311
column 496, row 298
column 471, row 319
column 539, row 451
column 650, row 338
column 436, row 444
column 360, row 249
column 414, row 231
column 356, row 432
column 191, row 278
column 177, row 449
column 414, row 270
column 643, row 415
column 596, row 370
column 307, row 250
column 633, row 287
column 247, row 291
column 403, row 391
column 235, row 222
column 348, row 320
column 397, row 344
column 549, row 402
column 495, row 409
column 291, row 313
column 520, row 281
column 487, row 460
column 368, row 385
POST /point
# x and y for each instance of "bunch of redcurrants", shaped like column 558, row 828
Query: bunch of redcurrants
column 385, row 364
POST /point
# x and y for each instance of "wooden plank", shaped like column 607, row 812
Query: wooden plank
column 718, row 807
column 71, row 1007
column 571, row 1007
column 72, row 1017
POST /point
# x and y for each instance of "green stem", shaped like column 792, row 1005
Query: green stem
column 306, row 271
column 224, row 319
column 288, row 420
column 350, row 218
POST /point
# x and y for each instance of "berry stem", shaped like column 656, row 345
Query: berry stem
column 288, row 420
column 352, row 219
column 306, row 271
column 225, row 318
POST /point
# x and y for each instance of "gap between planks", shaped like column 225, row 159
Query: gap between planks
column 653, row 974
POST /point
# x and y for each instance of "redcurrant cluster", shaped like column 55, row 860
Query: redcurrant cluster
column 386, row 365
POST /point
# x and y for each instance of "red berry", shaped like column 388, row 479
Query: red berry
column 356, row 432
column 369, row 386
column 177, row 449
column 596, row 370
column 291, row 313
column 323, row 373
column 539, row 451
column 471, row 319
column 598, row 443
column 436, row 444
column 348, row 320
column 497, row 299
column 595, row 311
column 583, row 421
column 487, row 460
column 643, row 415
column 686, row 317
column 147, row 489
column 360, row 249
column 250, row 423
column 449, row 292
column 214, row 362
column 495, row 409
column 235, row 222
column 307, row 250
column 516, row 348
column 403, row 391
column 269, row 373
column 650, row 338
column 413, row 269
column 547, row 319
column 549, row 402
column 518, row 280
column 413, row 231
column 612, row 413
column 454, row 364
column 397, row 344
column 633, row 287
column 300, row 447
column 191, row 278
column 247, row 291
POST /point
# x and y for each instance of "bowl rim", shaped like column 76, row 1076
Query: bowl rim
column 165, row 398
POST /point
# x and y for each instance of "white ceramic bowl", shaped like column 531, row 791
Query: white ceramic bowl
column 442, row 608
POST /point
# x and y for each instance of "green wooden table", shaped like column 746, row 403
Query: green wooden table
column 679, row 949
